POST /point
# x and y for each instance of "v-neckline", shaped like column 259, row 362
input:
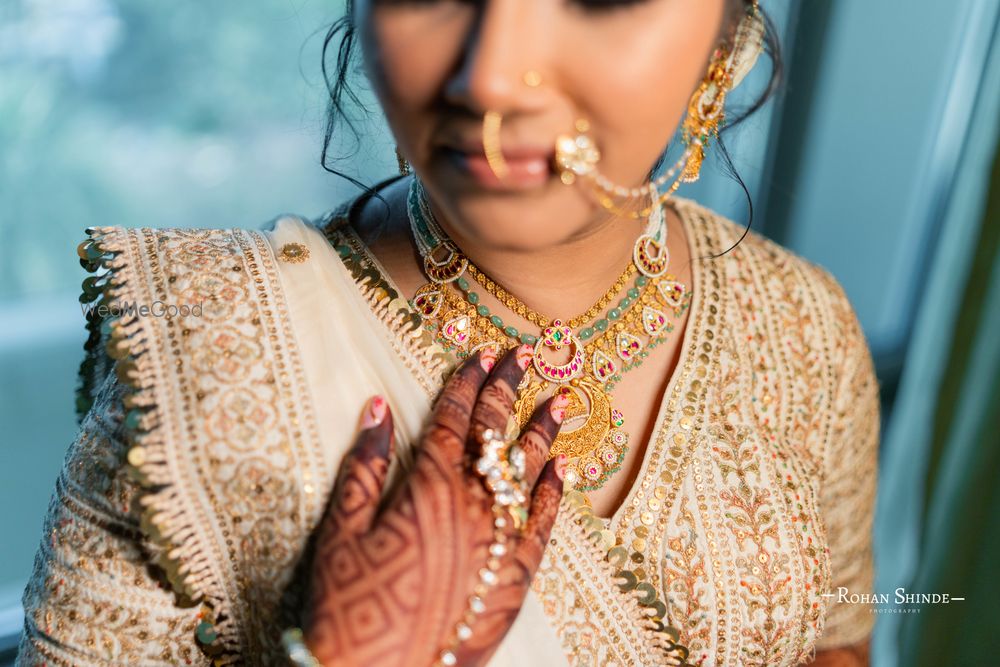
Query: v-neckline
column 663, row 415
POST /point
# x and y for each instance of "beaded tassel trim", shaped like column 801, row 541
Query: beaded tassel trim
column 422, row 355
column 131, row 350
column 640, row 598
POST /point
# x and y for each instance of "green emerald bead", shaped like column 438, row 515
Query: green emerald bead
column 83, row 404
column 472, row 298
column 641, row 281
column 483, row 311
column 601, row 325
column 633, row 293
column 463, row 284
column 586, row 334
column 132, row 419
column 528, row 339
column 625, row 303
column 344, row 251
column 511, row 331
column 497, row 322
column 206, row 633
column 614, row 314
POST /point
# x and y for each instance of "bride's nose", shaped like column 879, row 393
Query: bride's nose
column 507, row 39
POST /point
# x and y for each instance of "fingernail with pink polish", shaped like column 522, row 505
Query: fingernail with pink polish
column 557, row 408
column 561, row 466
column 524, row 355
column 374, row 412
column 487, row 358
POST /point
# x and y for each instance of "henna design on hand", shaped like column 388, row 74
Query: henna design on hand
column 537, row 437
column 496, row 400
column 388, row 586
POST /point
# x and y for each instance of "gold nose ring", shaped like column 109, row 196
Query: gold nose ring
column 491, row 131
column 491, row 144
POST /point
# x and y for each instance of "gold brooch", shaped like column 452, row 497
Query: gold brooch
column 294, row 253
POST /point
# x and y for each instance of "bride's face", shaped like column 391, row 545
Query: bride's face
column 628, row 67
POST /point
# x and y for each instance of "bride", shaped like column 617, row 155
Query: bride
column 599, row 423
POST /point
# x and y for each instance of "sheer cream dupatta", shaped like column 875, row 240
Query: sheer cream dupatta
column 352, row 348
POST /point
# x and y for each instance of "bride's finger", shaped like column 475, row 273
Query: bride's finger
column 541, row 516
column 363, row 472
column 496, row 400
column 448, row 427
column 540, row 432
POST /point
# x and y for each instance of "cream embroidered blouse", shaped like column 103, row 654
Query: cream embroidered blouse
column 178, row 530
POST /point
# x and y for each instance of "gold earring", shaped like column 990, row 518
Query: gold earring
column 404, row 166
column 532, row 78
column 705, row 114
column 577, row 155
column 491, row 144
column 729, row 66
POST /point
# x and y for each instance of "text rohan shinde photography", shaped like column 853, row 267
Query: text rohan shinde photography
column 898, row 596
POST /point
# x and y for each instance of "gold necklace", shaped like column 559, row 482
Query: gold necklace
column 591, row 436
column 598, row 446
column 536, row 318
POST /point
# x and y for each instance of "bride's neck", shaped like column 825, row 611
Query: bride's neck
column 562, row 280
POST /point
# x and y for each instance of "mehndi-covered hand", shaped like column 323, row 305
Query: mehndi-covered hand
column 392, row 586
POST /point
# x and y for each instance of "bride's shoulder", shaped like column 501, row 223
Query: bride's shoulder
column 774, row 289
column 755, row 260
column 123, row 254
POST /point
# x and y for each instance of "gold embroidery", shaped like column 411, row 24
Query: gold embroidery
column 77, row 610
column 746, row 305
column 294, row 253
column 746, row 509
column 229, row 506
column 685, row 578
column 416, row 347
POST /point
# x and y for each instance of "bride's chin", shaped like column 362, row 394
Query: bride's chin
column 513, row 228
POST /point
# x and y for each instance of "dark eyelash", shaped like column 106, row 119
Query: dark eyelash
column 595, row 5
column 601, row 5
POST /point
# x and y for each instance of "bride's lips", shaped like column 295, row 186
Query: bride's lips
column 528, row 167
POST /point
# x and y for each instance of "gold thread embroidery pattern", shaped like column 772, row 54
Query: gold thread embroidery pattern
column 729, row 502
column 601, row 615
column 293, row 253
column 685, row 580
column 774, row 353
column 77, row 610
column 233, row 506
column 850, row 471
column 792, row 408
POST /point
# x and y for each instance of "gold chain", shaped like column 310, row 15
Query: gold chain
column 519, row 307
column 609, row 204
